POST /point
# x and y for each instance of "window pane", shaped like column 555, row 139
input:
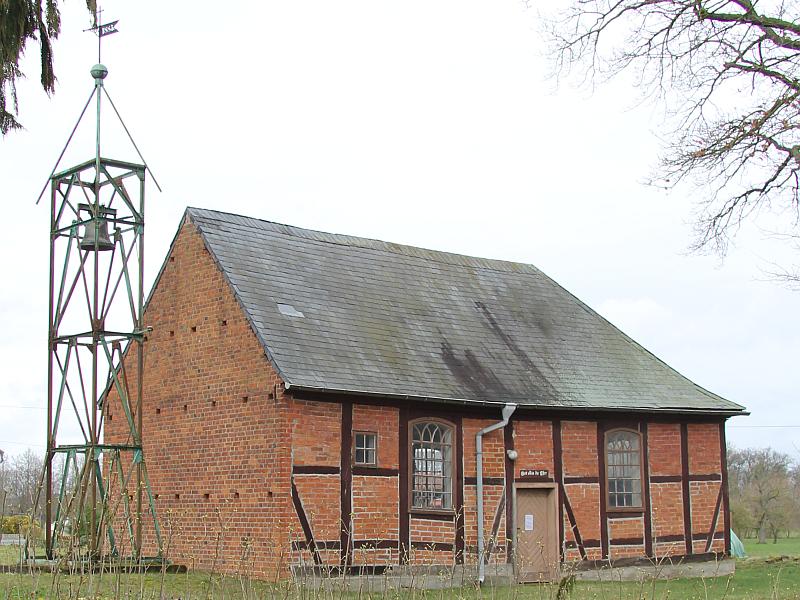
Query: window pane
column 365, row 448
column 623, row 470
column 431, row 481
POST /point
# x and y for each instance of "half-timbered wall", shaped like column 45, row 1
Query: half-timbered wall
column 684, row 509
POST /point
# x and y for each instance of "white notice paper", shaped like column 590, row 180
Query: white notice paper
column 528, row 522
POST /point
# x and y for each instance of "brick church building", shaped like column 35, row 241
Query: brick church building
column 316, row 399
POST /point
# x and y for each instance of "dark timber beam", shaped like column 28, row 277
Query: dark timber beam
column 558, row 475
column 726, row 505
column 346, row 484
column 687, row 500
column 648, row 519
column 459, row 491
column 601, row 469
column 403, row 523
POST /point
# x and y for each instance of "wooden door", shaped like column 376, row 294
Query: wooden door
column 536, row 548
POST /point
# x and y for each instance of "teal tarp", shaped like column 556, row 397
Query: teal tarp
column 737, row 547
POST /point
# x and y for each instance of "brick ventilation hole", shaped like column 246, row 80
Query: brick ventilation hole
column 158, row 411
column 269, row 493
column 271, row 396
column 224, row 322
column 206, row 495
column 194, row 328
column 245, row 399
column 235, row 494
column 171, row 259
column 109, row 417
column 177, row 496
column 185, row 407
column 171, row 334
column 156, row 496
column 213, row 403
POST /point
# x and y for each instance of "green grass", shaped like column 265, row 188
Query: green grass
column 757, row 577
column 9, row 555
column 784, row 547
column 754, row 579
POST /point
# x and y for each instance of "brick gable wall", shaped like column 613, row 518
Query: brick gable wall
column 215, row 424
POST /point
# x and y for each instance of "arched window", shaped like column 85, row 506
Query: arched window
column 624, row 469
column 431, row 465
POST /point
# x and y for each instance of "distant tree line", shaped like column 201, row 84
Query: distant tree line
column 20, row 477
column 764, row 493
column 19, row 481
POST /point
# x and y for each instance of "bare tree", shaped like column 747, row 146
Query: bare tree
column 729, row 74
column 762, row 489
column 24, row 473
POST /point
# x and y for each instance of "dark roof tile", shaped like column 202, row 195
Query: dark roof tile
column 393, row 320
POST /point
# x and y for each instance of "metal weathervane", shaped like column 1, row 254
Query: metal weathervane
column 98, row 501
column 102, row 30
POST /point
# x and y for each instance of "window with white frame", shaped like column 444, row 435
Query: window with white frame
column 431, row 466
column 365, row 450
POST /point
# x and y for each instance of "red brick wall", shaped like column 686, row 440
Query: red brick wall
column 208, row 387
column 664, row 442
column 376, row 500
column 316, row 442
column 533, row 441
column 383, row 420
column 494, row 468
column 579, row 443
column 425, row 533
column 666, row 498
column 704, row 454
column 316, row 433
column 667, row 509
column 375, row 508
column 626, row 533
column 492, row 496
column 703, row 497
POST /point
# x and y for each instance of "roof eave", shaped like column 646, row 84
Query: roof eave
column 500, row 403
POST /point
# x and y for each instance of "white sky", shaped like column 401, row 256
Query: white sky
column 425, row 123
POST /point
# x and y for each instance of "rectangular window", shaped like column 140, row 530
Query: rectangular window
column 366, row 449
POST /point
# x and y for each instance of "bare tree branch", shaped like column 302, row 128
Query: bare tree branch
column 729, row 77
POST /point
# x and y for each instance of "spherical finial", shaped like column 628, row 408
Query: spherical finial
column 99, row 71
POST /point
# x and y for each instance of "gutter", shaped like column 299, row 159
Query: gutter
column 508, row 410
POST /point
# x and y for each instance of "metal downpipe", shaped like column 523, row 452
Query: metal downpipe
column 508, row 410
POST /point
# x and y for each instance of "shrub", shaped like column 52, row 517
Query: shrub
column 20, row 524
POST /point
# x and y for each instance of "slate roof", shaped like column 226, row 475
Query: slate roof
column 397, row 321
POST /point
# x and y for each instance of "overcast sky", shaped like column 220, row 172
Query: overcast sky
column 425, row 123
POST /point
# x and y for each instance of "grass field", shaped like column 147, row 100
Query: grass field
column 784, row 547
column 755, row 578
